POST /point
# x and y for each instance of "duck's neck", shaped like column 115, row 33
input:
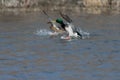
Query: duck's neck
column 63, row 25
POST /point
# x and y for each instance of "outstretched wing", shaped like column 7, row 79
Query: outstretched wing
column 66, row 17
column 47, row 15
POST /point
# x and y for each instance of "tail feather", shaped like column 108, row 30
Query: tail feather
column 79, row 34
column 66, row 17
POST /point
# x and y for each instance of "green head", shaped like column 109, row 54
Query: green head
column 59, row 20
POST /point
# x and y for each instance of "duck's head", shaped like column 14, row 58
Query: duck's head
column 51, row 22
column 59, row 20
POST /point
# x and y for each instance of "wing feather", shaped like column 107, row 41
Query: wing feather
column 66, row 17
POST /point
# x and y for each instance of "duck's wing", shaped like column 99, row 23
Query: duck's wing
column 66, row 17
column 49, row 18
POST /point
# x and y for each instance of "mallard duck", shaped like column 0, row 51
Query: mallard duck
column 69, row 28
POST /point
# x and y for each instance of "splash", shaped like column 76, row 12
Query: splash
column 45, row 32
column 83, row 33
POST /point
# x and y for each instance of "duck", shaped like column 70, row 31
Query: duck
column 69, row 28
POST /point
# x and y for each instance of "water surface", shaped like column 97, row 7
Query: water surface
column 25, row 55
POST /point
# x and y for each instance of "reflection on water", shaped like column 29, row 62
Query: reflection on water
column 27, row 56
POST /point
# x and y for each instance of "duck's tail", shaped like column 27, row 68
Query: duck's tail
column 78, row 33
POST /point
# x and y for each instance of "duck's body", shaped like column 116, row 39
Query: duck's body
column 72, row 32
column 69, row 28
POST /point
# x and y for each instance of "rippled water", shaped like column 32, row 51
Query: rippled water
column 25, row 55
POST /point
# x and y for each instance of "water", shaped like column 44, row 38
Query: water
column 25, row 55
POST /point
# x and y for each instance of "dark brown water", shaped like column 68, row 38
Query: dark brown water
column 25, row 55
